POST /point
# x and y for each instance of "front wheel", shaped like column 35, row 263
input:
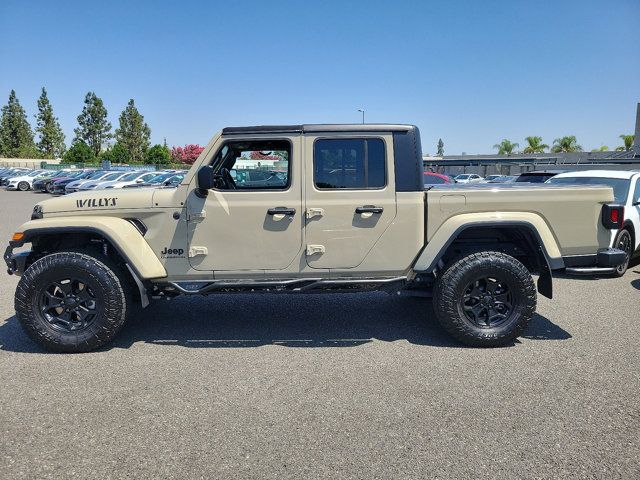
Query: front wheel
column 72, row 302
column 485, row 299
column 23, row 186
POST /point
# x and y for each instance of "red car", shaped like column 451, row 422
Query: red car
column 431, row 178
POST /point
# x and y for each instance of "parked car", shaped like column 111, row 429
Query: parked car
column 98, row 184
column 431, row 178
column 468, row 178
column 46, row 184
column 130, row 179
column 12, row 172
column 538, row 176
column 74, row 185
column 23, row 182
column 163, row 179
column 626, row 191
column 59, row 186
column 488, row 178
column 503, row 179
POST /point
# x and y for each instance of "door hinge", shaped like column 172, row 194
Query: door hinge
column 195, row 251
column 196, row 216
column 315, row 212
column 313, row 249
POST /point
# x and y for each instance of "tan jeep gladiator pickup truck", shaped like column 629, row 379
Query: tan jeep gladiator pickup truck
column 306, row 209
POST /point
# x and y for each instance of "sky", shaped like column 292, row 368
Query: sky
column 469, row 72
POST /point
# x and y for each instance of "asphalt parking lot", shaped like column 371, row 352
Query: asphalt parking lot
column 326, row 386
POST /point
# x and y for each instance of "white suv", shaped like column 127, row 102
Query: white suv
column 468, row 178
column 626, row 191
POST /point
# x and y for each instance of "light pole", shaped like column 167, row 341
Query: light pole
column 362, row 111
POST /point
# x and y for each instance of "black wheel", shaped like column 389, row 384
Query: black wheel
column 72, row 301
column 625, row 243
column 485, row 299
column 49, row 187
column 23, row 186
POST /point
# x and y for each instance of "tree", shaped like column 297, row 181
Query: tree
column 79, row 152
column 116, row 154
column 628, row 143
column 16, row 136
column 51, row 143
column 603, row 148
column 93, row 129
column 535, row 145
column 566, row 144
column 133, row 133
column 186, row 155
column 440, row 148
column 505, row 147
column 158, row 155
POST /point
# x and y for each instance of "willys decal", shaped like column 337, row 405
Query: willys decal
column 97, row 202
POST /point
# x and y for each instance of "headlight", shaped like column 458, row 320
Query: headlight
column 37, row 212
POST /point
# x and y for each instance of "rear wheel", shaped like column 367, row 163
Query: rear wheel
column 72, row 301
column 625, row 243
column 485, row 299
column 23, row 186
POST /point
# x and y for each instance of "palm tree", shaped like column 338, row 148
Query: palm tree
column 505, row 147
column 628, row 143
column 603, row 148
column 566, row 144
column 535, row 145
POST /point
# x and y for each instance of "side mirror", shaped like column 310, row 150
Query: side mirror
column 205, row 180
column 636, row 202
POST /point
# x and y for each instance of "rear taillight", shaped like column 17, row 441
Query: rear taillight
column 613, row 216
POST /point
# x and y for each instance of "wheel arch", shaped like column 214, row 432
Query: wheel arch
column 124, row 238
column 518, row 238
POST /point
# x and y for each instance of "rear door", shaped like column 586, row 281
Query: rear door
column 350, row 197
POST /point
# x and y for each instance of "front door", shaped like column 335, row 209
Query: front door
column 350, row 197
column 252, row 220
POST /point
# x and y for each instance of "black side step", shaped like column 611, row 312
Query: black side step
column 291, row 285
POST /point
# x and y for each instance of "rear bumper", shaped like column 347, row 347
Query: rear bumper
column 605, row 261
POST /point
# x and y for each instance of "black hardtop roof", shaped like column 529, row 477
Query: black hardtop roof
column 312, row 128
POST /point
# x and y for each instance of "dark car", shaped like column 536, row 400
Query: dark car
column 537, row 177
column 58, row 187
column 46, row 184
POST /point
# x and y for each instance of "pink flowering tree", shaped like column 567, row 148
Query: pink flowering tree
column 186, row 154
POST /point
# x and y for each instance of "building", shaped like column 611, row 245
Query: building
column 522, row 162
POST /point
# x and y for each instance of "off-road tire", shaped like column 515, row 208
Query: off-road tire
column 624, row 241
column 23, row 186
column 113, row 302
column 452, row 286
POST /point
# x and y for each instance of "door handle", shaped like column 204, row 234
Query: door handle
column 369, row 209
column 281, row 211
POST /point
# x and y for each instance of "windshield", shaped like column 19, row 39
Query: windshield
column 95, row 175
column 462, row 177
column 161, row 177
column 131, row 176
column 112, row 176
column 620, row 185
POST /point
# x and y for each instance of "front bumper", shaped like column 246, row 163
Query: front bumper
column 16, row 262
column 605, row 261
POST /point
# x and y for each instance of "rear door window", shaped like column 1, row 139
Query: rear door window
column 349, row 163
